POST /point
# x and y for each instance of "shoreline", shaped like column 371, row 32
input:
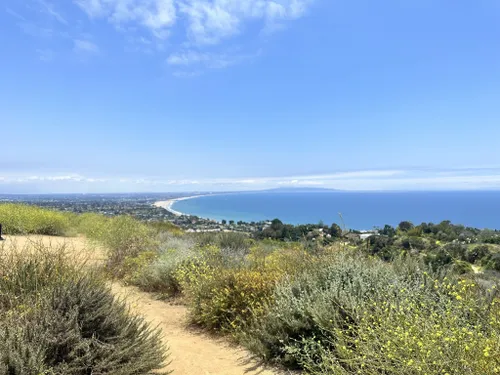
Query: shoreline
column 167, row 205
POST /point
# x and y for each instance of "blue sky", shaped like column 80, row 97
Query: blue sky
column 178, row 95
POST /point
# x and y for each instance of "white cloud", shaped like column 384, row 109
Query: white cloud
column 201, row 27
column 57, row 178
column 155, row 15
column 85, row 46
column 212, row 21
column 202, row 24
column 208, row 21
column 354, row 180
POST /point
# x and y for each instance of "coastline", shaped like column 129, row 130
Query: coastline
column 167, row 205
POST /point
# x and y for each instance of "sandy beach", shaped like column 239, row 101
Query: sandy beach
column 168, row 204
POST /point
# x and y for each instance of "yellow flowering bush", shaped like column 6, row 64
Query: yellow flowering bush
column 288, row 260
column 227, row 295
column 24, row 219
column 454, row 332
column 123, row 236
column 448, row 327
column 352, row 315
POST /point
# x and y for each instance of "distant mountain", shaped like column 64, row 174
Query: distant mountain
column 304, row 189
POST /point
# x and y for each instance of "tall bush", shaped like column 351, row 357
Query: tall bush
column 56, row 319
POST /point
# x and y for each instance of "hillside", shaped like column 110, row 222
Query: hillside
column 401, row 302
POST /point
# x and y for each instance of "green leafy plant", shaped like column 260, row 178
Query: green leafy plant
column 56, row 319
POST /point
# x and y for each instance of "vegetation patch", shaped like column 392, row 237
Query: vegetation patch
column 411, row 300
column 24, row 219
column 55, row 319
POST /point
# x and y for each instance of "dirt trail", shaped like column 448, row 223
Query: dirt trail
column 191, row 352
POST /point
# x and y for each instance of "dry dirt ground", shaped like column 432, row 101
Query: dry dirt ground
column 192, row 352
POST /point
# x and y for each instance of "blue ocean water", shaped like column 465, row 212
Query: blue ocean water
column 360, row 210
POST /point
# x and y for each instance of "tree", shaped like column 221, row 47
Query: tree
column 231, row 222
column 388, row 231
column 413, row 243
column 277, row 225
column 405, row 226
column 224, row 222
column 335, row 231
column 381, row 246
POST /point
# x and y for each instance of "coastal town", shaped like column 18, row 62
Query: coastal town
column 144, row 207
column 156, row 207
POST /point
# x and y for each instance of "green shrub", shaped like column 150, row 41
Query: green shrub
column 165, row 227
column 55, row 319
column 159, row 276
column 454, row 330
column 24, row 219
column 122, row 236
column 492, row 262
column 332, row 293
column 455, row 250
column 224, row 240
column 93, row 226
column 439, row 258
column 460, row 267
column 360, row 316
column 225, row 290
column 413, row 243
column 377, row 244
column 228, row 298
column 477, row 253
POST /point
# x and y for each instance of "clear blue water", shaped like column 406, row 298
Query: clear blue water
column 359, row 210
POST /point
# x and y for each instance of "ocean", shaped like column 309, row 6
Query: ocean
column 360, row 210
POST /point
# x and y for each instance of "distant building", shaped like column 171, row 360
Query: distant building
column 364, row 236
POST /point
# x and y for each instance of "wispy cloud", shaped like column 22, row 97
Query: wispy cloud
column 202, row 24
column 206, row 31
column 50, row 9
column 157, row 16
column 29, row 27
column 210, row 22
column 94, row 8
column 49, row 178
column 15, row 14
column 197, row 60
column 187, row 74
column 45, row 55
column 45, row 23
column 85, row 47
column 350, row 180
